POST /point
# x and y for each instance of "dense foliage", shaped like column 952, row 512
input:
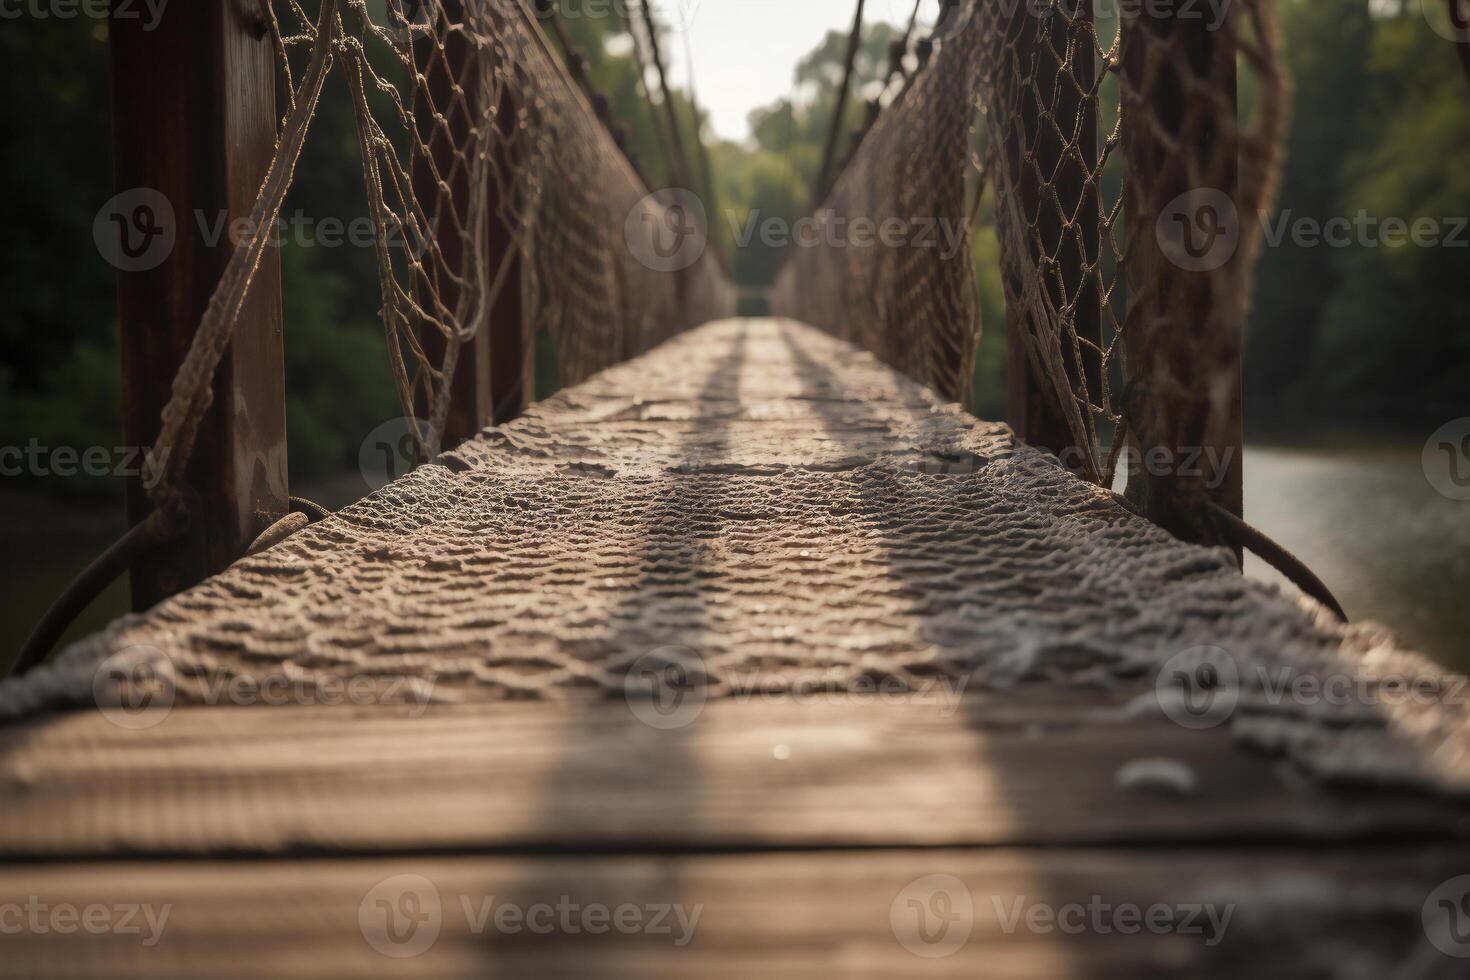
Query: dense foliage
column 1366, row 336
column 1372, row 335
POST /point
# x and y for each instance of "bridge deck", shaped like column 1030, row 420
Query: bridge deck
column 906, row 647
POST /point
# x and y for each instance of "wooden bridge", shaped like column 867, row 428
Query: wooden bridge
column 750, row 650
column 885, row 643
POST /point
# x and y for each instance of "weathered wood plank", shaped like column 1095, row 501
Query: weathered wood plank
column 1224, row 915
column 1035, row 767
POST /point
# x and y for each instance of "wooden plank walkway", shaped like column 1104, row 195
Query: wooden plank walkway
column 753, row 632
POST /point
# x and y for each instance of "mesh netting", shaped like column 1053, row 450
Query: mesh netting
column 899, row 292
column 479, row 149
column 1083, row 138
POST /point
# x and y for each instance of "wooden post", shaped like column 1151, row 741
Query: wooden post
column 194, row 128
column 1183, row 333
column 1031, row 405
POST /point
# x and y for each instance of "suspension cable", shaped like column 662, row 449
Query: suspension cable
column 139, row 541
column 677, row 157
column 641, row 58
column 1243, row 535
column 854, row 40
column 706, row 170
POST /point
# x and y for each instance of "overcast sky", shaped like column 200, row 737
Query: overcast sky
column 745, row 51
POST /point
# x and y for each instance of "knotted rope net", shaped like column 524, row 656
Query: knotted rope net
column 482, row 154
column 1104, row 144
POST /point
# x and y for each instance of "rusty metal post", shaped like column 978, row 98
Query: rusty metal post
column 194, row 129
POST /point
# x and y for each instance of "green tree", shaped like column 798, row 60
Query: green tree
column 1367, row 335
column 1326, row 45
column 1395, row 344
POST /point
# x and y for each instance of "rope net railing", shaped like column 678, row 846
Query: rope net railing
column 480, row 150
column 503, row 211
column 1104, row 145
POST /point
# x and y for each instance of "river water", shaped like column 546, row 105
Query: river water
column 1371, row 526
